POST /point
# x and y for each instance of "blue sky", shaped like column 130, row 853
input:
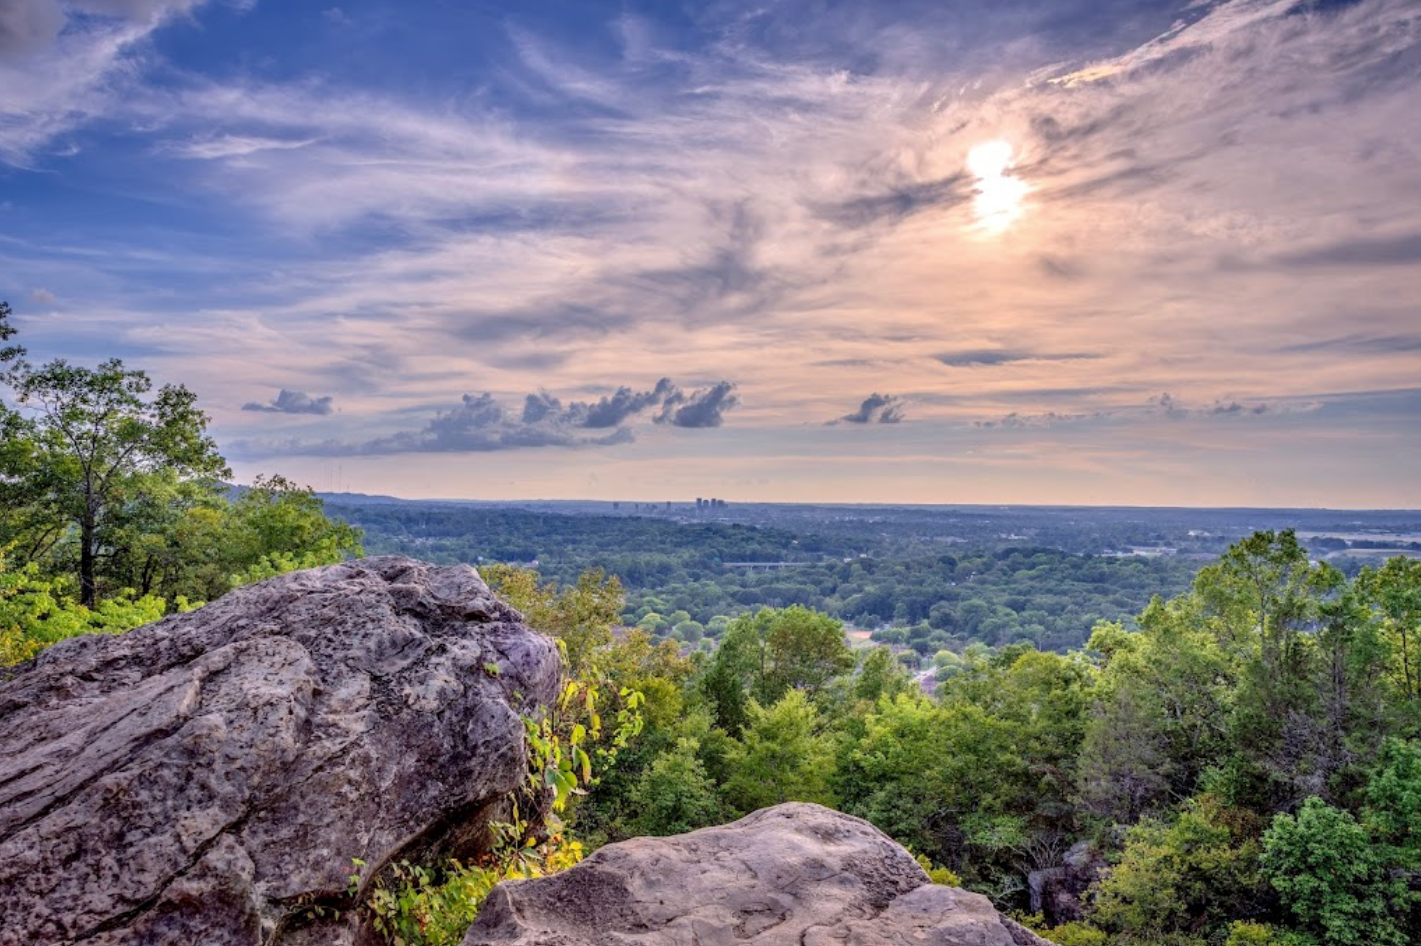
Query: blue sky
column 1057, row 252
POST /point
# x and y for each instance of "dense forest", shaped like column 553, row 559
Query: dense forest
column 1244, row 768
column 1228, row 758
column 686, row 581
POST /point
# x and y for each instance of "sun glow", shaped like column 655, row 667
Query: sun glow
column 999, row 195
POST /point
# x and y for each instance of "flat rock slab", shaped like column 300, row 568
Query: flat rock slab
column 792, row 875
column 209, row 778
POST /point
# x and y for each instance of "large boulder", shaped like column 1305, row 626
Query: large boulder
column 793, row 875
column 209, row 778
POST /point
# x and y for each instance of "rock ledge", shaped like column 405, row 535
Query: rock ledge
column 792, row 875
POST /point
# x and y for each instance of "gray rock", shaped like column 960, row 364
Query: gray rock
column 208, row 778
column 792, row 875
column 1059, row 893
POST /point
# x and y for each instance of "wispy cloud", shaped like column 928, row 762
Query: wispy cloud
column 1163, row 405
column 1003, row 356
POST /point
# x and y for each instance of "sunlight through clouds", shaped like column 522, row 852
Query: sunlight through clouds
column 998, row 202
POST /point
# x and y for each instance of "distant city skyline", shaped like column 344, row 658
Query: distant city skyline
column 1068, row 253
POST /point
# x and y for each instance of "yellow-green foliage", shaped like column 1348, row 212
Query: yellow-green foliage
column 1178, row 877
column 419, row 906
column 1263, row 934
column 1075, row 934
column 273, row 528
column 34, row 613
column 938, row 875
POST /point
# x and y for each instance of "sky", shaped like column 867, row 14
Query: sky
column 985, row 251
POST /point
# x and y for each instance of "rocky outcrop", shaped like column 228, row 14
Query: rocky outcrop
column 1058, row 893
column 793, row 875
column 209, row 778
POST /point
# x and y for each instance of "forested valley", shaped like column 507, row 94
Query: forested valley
column 1117, row 751
column 686, row 581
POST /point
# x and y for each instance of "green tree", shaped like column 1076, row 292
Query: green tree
column 86, row 444
column 880, row 675
column 1393, row 592
column 781, row 756
column 1163, row 702
column 1261, row 600
column 276, row 526
column 674, row 795
column 1393, row 801
column 1245, row 933
column 775, row 650
column 1333, row 879
column 922, row 772
column 1183, row 880
column 581, row 615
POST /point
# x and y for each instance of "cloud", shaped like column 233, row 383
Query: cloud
column 28, row 25
column 897, row 204
column 612, row 411
column 609, row 411
column 233, row 146
column 1403, row 250
column 292, row 402
column 1234, row 407
column 1164, row 405
column 1167, row 405
column 1017, row 420
column 1003, row 356
column 481, row 423
column 702, row 408
column 876, row 409
column 63, row 65
column 1359, row 343
column 42, row 296
column 1203, row 25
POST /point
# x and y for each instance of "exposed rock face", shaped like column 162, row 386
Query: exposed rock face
column 793, row 875
column 1058, row 893
column 207, row 778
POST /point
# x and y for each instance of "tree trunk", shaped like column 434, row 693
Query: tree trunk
column 88, row 592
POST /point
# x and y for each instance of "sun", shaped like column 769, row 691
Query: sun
column 999, row 195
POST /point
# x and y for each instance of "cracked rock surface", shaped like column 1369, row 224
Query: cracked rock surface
column 792, row 875
column 208, row 778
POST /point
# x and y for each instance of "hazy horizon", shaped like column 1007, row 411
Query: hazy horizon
column 690, row 501
column 1134, row 253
